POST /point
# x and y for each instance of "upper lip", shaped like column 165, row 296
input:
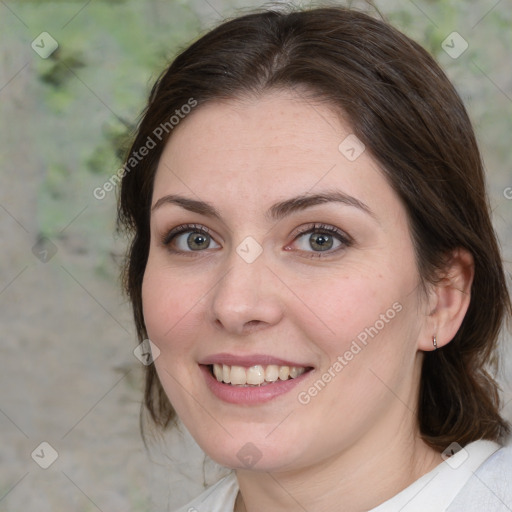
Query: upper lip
column 249, row 360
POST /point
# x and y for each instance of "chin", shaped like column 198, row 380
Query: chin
column 252, row 452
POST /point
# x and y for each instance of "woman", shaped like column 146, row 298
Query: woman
column 314, row 263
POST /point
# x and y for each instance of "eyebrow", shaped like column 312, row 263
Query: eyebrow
column 276, row 212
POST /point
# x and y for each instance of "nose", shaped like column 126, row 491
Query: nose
column 246, row 298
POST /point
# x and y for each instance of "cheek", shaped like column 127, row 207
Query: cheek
column 369, row 318
column 351, row 304
column 169, row 304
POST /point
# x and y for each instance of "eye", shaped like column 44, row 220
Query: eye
column 189, row 238
column 322, row 238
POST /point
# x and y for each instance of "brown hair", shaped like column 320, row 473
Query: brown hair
column 403, row 107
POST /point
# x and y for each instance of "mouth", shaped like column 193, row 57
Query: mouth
column 257, row 375
column 252, row 385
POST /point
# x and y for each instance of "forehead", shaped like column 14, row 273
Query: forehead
column 278, row 129
column 256, row 151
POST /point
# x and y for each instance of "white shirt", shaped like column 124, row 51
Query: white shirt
column 478, row 478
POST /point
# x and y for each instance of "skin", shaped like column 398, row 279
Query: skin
column 242, row 157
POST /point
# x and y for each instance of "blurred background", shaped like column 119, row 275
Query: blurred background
column 68, row 375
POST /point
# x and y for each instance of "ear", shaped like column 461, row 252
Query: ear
column 448, row 300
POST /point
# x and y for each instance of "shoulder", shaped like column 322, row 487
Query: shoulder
column 490, row 487
column 220, row 497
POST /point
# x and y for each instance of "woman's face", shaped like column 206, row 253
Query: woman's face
column 282, row 278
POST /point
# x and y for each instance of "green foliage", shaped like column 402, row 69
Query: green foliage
column 91, row 91
column 55, row 183
column 117, row 137
column 60, row 68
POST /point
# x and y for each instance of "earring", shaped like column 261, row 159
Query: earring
column 434, row 342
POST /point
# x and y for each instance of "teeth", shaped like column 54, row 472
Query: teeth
column 238, row 375
column 255, row 375
column 217, row 371
column 294, row 372
column 226, row 373
column 272, row 373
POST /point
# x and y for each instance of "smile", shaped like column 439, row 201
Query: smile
column 257, row 375
column 252, row 385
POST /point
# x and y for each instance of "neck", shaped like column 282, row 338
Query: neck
column 360, row 478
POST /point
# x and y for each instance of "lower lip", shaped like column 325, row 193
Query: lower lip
column 250, row 394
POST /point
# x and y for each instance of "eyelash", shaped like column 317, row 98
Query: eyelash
column 318, row 228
